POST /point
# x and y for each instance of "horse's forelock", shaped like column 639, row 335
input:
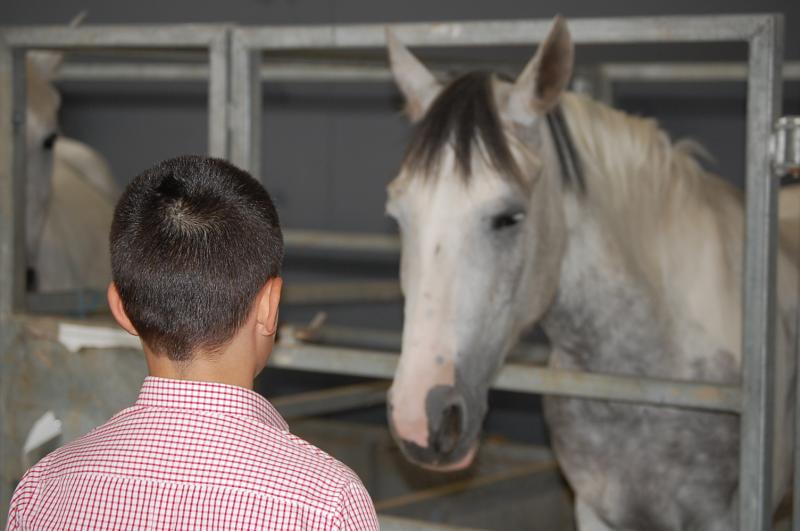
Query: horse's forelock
column 463, row 117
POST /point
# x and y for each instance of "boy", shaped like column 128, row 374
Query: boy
column 196, row 251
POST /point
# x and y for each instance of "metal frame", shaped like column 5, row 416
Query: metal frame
column 764, row 36
column 14, row 42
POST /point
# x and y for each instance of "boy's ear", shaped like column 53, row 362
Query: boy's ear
column 118, row 310
column 267, row 316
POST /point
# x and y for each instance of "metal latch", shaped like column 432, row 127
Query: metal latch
column 785, row 146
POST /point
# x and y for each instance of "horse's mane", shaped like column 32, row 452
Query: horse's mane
column 631, row 160
column 465, row 117
column 648, row 191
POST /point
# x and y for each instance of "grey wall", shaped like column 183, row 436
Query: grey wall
column 329, row 150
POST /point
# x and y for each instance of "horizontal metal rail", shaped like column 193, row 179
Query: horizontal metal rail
column 683, row 72
column 524, row 379
column 391, row 341
column 512, row 377
column 507, row 32
column 333, row 400
column 377, row 291
column 113, row 36
column 317, row 240
column 373, row 72
column 88, row 302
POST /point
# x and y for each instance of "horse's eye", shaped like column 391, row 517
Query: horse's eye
column 508, row 219
column 49, row 141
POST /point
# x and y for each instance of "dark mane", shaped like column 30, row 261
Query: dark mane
column 463, row 113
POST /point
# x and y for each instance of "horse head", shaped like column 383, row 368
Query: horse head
column 478, row 203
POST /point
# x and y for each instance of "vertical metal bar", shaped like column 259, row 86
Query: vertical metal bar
column 12, row 230
column 795, row 351
column 758, row 364
column 6, row 254
column 12, row 181
column 6, row 181
column 245, row 113
column 218, row 95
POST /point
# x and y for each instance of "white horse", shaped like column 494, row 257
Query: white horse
column 70, row 194
column 624, row 249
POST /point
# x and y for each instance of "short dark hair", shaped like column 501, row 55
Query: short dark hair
column 193, row 241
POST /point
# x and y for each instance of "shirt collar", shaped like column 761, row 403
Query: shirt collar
column 209, row 396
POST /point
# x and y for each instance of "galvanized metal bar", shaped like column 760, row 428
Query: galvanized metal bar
column 390, row 341
column 332, row 400
column 523, row 378
column 7, row 212
column 342, row 292
column 112, row 36
column 18, row 180
column 87, row 302
column 318, row 240
column 796, row 478
column 245, row 110
column 327, row 72
column 683, row 72
column 758, row 364
column 273, row 71
column 347, row 336
column 218, row 94
column 136, row 72
column 510, row 32
column 7, row 280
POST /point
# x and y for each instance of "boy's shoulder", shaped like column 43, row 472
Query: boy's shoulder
column 191, row 451
column 216, row 450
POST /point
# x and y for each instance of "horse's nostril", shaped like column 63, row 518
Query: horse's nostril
column 449, row 432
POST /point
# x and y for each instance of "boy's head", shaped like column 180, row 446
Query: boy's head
column 194, row 240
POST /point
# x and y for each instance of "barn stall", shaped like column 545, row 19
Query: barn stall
column 33, row 343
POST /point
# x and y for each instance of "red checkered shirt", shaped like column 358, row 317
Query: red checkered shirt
column 191, row 455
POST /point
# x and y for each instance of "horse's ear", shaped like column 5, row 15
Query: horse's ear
column 46, row 63
column 416, row 82
column 541, row 84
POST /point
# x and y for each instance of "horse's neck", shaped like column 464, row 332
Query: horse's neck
column 602, row 318
column 651, row 273
column 609, row 316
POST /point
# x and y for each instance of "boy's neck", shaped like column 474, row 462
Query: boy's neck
column 221, row 367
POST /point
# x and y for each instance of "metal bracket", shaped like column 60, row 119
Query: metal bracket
column 785, row 146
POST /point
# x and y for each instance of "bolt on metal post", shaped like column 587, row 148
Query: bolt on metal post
column 786, row 146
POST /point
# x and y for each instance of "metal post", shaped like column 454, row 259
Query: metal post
column 758, row 363
column 245, row 112
column 796, row 479
column 218, row 95
column 7, row 219
column 17, row 182
column 12, row 233
column 6, row 250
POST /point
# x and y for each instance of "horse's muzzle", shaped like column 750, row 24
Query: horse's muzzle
column 448, row 447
